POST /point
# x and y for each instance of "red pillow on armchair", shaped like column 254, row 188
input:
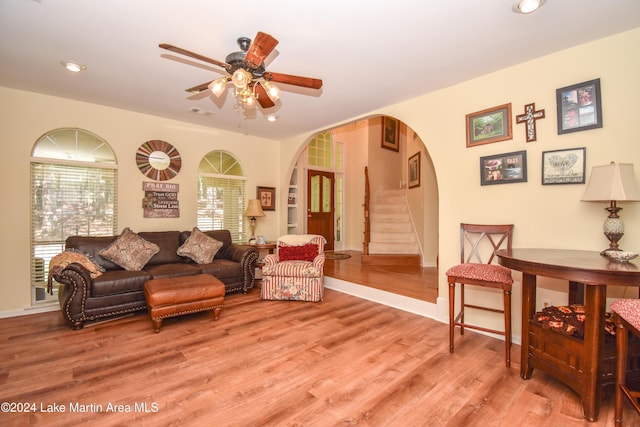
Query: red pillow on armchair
column 298, row 253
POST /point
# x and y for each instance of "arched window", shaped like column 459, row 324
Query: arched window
column 221, row 195
column 73, row 192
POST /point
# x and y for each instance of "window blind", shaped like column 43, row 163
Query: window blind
column 68, row 200
column 221, row 202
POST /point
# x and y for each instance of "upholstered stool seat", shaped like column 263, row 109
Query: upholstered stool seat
column 175, row 296
column 627, row 317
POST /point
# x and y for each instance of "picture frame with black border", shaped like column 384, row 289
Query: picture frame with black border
column 503, row 168
column 579, row 107
column 414, row 170
column 566, row 166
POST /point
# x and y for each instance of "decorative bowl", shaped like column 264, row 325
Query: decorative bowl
column 621, row 256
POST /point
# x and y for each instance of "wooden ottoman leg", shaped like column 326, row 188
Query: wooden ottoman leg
column 216, row 313
column 157, row 324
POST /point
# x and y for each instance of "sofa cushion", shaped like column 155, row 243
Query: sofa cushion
column 119, row 282
column 199, row 247
column 176, row 269
column 298, row 253
column 130, row 251
column 222, row 269
column 167, row 241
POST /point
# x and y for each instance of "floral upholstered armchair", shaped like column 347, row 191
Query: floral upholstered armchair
column 294, row 272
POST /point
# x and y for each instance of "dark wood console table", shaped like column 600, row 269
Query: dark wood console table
column 595, row 272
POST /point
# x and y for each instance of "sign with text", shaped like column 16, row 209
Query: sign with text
column 160, row 200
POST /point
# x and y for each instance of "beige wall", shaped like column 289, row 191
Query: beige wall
column 25, row 116
column 545, row 216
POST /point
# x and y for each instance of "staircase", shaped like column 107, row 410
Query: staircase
column 393, row 239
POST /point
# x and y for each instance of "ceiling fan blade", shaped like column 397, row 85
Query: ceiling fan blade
column 194, row 55
column 260, row 48
column 293, row 80
column 200, row 88
column 263, row 98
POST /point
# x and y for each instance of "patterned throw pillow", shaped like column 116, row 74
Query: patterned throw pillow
column 130, row 251
column 200, row 247
column 298, row 253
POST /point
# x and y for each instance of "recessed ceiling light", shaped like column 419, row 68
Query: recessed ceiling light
column 272, row 118
column 527, row 6
column 72, row 66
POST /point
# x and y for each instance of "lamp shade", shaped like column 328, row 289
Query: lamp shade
column 615, row 181
column 254, row 209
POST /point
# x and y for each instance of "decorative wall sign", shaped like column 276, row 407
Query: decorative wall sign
column 160, row 200
column 579, row 107
column 490, row 125
column 563, row 166
column 529, row 117
column 503, row 168
column 158, row 160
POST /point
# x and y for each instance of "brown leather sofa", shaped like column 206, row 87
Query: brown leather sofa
column 118, row 291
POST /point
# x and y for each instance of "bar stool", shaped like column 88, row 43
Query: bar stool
column 627, row 317
column 479, row 242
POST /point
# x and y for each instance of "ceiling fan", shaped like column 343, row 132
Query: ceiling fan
column 247, row 72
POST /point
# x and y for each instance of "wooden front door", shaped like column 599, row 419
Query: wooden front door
column 320, row 205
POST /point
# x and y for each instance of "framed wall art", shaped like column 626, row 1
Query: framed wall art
column 267, row 197
column 579, row 107
column 414, row 170
column 390, row 134
column 564, row 166
column 503, row 168
column 490, row 125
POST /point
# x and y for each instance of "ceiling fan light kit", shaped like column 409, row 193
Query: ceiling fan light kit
column 252, row 83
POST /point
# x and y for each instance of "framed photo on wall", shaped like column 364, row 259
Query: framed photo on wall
column 563, row 166
column 503, row 168
column 490, row 125
column 414, row 170
column 390, row 134
column 579, row 107
column 267, row 197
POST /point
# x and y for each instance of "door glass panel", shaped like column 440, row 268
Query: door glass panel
column 326, row 194
column 315, row 194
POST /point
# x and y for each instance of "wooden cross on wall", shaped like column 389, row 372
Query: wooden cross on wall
column 529, row 117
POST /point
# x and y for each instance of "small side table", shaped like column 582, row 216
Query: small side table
column 270, row 247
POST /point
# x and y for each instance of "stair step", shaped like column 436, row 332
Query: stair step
column 391, row 200
column 396, row 208
column 396, row 192
column 393, row 248
column 391, row 259
column 384, row 237
column 391, row 226
column 389, row 217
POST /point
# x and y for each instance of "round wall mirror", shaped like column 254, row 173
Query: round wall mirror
column 158, row 160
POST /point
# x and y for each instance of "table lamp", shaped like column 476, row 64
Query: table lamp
column 253, row 210
column 615, row 182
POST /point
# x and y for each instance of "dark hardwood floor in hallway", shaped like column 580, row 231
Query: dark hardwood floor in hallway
column 411, row 281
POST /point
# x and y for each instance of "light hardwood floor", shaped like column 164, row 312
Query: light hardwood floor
column 410, row 281
column 345, row 361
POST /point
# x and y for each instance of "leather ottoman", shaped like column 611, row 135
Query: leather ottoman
column 175, row 296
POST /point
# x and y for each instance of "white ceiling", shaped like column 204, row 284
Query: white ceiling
column 369, row 54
